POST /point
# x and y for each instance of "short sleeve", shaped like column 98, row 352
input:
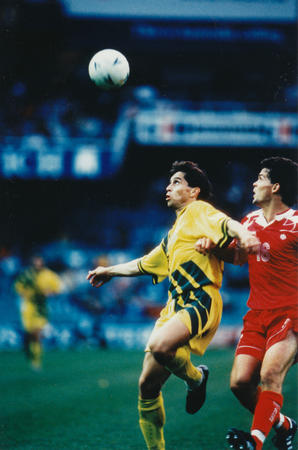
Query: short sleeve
column 212, row 223
column 155, row 263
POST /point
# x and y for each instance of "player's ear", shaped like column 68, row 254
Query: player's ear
column 275, row 188
column 195, row 191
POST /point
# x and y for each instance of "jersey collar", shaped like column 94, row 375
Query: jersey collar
column 284, row 215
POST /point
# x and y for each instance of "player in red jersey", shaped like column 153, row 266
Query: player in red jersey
column 267, row 346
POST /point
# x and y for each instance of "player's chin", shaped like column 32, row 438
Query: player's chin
column 172, row 204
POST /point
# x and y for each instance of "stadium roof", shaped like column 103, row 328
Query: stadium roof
column 228, row 10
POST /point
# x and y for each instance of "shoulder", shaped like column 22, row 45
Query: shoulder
column 252, row 216
column 199, row 206
column 205, row 213
column 196, row 210
column 289, row 221
column 294, row 215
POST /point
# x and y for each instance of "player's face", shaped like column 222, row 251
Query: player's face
column 178, row 192
column 262, row 188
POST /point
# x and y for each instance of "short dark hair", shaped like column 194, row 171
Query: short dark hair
column 194, row 176
column 284, row 172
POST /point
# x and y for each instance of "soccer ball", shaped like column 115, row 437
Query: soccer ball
column 108, row 69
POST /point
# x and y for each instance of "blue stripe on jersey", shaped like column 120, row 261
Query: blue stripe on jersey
column 196, row 273
column 201, row 306
column 164, row 244
column 194, row 321
column 184, row 284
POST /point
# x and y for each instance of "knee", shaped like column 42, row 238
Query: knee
column 271, row 379
column 161, row 352
column 240, row 384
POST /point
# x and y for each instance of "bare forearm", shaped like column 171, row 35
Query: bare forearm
column 226, row 254
column 101, row 275
column 247, row 239
column 129, row 269
column 235, row 229
column 233, row 254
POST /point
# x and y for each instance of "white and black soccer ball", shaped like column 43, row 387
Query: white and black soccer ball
column 109, row 69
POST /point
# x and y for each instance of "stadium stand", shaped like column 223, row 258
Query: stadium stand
column 70, row 155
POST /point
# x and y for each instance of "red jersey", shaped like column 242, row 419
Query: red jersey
column 273, row 272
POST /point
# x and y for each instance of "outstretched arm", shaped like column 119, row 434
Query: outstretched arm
column 247, row 240
column 233, row 254
column 102, row 275
column 248, row 243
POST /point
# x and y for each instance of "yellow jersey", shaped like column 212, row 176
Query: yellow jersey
column 194, row 279
column 175, row 257
column 34, row 286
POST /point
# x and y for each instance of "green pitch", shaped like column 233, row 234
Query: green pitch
column 87, row 399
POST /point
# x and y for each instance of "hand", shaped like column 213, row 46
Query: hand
column 99, row 276
column 204, row 245
column 249, row 242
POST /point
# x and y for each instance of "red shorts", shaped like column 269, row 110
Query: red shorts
column 263, row 328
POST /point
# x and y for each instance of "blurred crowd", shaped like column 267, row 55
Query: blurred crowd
column 48, row 102
column 78, row 314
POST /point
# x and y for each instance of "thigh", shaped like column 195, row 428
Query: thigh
column 245, row 370
column 173, row 334
column 280, row 323
column 279, row 358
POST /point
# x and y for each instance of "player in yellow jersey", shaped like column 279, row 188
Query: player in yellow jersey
column 194, row 307
column 34, row 285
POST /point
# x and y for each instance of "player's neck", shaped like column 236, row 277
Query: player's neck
column 273, row 208
column 183, row 206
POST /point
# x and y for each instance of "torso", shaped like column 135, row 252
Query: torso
column 273, row 271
